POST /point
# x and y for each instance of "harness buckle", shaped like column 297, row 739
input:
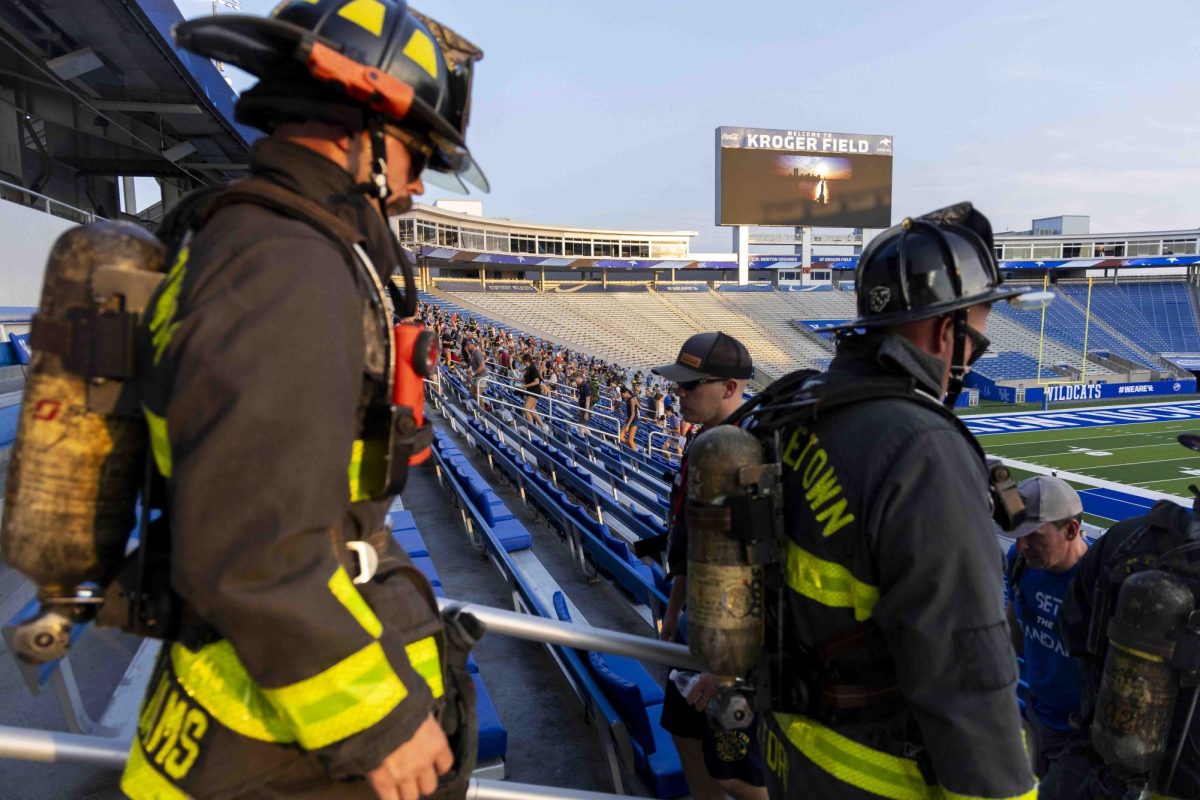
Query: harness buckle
column 366, row 558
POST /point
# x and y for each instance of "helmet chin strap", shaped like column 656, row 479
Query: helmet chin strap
column 379, row 183
column 958, row 359
column 379, row 189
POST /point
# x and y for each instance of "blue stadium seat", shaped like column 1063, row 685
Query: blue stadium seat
column 512, row 535
column 1158, row 316
column 1011, row 365
column 403, row 521
column 425, row 564
column 493, row 738
column 410, row 542
column 1066, row 323
column 660, row 769
column 626, row 697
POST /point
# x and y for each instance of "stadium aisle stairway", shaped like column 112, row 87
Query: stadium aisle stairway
column 598, row 519
column 493, row 737
column 653, row 758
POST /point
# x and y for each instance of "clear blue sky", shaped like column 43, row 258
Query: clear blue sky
column 601, row 112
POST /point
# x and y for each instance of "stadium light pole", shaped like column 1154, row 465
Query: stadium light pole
column 1087, row 324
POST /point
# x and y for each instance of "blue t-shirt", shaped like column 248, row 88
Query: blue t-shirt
column 1052, row 675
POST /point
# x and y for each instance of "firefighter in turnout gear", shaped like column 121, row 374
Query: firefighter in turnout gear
column 310, row 657
column 888, row 663
column 1164, row 733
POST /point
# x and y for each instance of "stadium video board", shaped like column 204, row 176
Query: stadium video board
column 803, row 178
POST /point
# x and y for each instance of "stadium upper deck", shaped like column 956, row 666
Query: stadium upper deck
column 1133, row 331
column 453, row 243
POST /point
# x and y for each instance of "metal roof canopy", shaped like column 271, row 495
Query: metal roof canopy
column 115, row 95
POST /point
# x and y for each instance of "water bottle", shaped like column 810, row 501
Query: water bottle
column 684, row 680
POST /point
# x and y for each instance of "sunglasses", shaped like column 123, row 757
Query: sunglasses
column 979, row 345
column 691, row 386
column 419, row 151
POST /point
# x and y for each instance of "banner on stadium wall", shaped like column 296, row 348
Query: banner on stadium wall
column 818, row 325
column 683, row 287
column 518, row 288
column 988, row 390
column 1074, row 392
column 793, row 262
column 1079, row 392
column 1100, row 263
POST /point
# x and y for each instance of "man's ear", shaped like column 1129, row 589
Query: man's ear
column 943, row 335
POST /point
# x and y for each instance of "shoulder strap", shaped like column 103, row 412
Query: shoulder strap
column 782, row 389
column 1016, row 570
column 282, row 201
column 800, row 399
column 188, row 213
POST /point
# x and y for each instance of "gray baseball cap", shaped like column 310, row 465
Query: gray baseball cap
column 1047, row 499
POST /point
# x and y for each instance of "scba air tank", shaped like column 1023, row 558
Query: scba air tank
column 1137, row 691
column 724, row 588
column 78, row 460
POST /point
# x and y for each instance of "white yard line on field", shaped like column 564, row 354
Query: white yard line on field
column 1088, row 480
column 1135, row 463
column 1073, row 439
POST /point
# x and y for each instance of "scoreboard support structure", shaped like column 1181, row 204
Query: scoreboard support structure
column 741, row 246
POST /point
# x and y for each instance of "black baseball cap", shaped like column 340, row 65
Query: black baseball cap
column 709, row 355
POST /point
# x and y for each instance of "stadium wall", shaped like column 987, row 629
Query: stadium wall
column 1079, row 392
column 28, row 234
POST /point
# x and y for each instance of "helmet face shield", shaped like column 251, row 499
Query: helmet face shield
column 452, row 167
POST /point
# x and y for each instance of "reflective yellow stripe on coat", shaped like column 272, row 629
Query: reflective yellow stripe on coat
column 866, row 768
column 856, row 764
column 829, row 583
column 216, row 679
column 1030, row 795
column 423, row 655
column 351, row 696
column 348, row 697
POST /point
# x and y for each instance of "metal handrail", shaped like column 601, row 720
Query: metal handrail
column 552, row 401
column 89, row 216
column 561, row 388
column 599, row 432
column 56, row 747
column 522, row 409
column 580, row 637
column 667, row 435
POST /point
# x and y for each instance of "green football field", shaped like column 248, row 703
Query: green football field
column 1143, row 454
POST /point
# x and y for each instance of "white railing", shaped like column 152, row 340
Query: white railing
column 47, row 204
column 667, row 436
